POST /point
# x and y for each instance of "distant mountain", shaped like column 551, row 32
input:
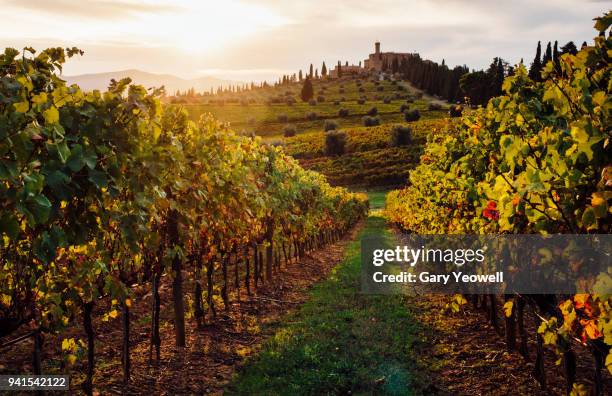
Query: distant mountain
column 89, row 82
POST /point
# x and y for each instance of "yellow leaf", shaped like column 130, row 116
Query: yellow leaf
column 5, row 299
column 579, row 390
column 40, row 98
column 128, row 303
column 21, row 107
column 68, row 344
column 581, row 300
column 113, row 314
column 519, row 120
column 508, row 308
column 609, row 362
column 71, row 359
column 597, row 199
column 51, row 115
column 590, row 327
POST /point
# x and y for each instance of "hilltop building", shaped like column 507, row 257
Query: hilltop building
column 347, row 70
column 376, row 62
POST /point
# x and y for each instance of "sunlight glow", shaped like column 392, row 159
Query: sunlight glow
column 208, row 25
column 189, row 25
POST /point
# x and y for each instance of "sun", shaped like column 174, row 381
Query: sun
column 210, row 25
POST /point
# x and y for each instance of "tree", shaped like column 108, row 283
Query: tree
column 300, row 77
column 339, row 69
column 307, row 90
column 476, row 86
column 323, row 70
column 547, row 55
column 400, row 136
column 536, row 66
column 497, row 77
column 311, row 72
column 569, row 48
column 556, row 56
column 316, row 73
column 335, row 143
column 395, row 65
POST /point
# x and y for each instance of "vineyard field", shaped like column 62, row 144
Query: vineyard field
column 396, row 226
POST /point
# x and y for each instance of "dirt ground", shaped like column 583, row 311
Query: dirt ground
column 469, row 356
column 212, row 353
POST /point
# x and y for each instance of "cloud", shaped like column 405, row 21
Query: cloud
column 185, row 37
column 93, row 9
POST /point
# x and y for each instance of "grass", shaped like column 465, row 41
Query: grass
column 377, row 199
column 340, row 341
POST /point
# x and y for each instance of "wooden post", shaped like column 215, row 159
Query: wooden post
column 88, row 384
column 177, row 283
column 125, row 351
column 510, row 325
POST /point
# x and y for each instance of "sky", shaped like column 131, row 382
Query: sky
column 262, row 39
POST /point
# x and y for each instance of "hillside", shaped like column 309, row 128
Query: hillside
column 370, row 160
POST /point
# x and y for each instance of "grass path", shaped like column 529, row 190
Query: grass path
column 340, row 341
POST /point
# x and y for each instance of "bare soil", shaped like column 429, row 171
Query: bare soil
column 213, row 352
column 469, row 356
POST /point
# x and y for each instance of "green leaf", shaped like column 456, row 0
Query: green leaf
column 589, row 220
column 603, row 286
column 98, row 178
column 76, row 161
column 40, row 208
column 57, row 180
column 603, row 23
column 9, row 225
column 63, row 151
column 33, row 184
column 90, row 159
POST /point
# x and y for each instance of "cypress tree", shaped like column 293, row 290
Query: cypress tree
column 311, row 73
column 300, row 77
column 547, row 55
column 323, row 70
column 307, row 90
column 536, row 66
column 556, row 56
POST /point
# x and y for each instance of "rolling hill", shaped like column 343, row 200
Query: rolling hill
column 89, row 82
